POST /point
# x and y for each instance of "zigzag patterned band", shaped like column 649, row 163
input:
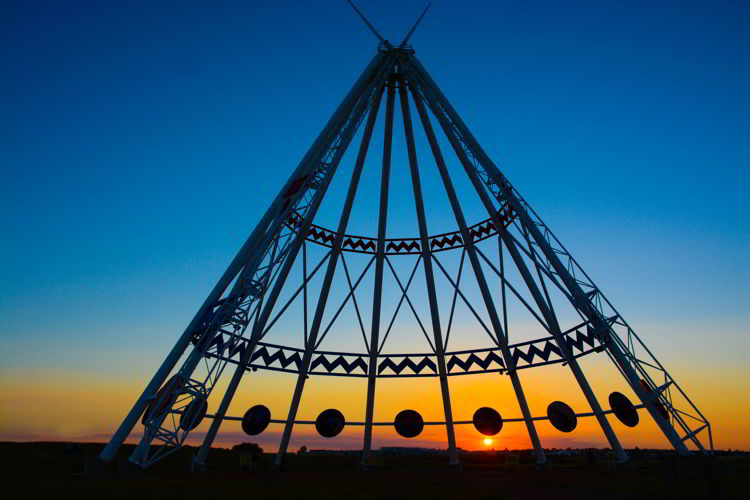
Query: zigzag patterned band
column 403, row 246
column 581, row 340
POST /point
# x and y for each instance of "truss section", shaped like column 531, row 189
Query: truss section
column 223, row 324
column 631, row 356
column 230, row 328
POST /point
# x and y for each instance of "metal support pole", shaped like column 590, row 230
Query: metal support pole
column 248, row 249
column 429, row 275
column 564, row 348
column 502, row 283
column 562, row 344
column 599, row 325
column 260, row 324
column 188, row 367
column 182, row 343
column 500, row 337
column 581, row 302
column 541, row 304
column 341, row 136
column 330, row 270
column 536, row 294
column 198, row 353
column 372, row 366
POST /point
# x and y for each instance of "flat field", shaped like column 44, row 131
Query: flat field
column 54, row 470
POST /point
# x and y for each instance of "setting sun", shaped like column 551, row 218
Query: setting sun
column 487, row 441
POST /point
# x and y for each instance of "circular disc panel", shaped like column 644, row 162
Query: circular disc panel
column 255, row 420
column 623, row 409
column 562, row 416
column 409, row 423
column 193, row 414
column 659, row 405
column 330, row 423
column 163, row 398
column 487, row 421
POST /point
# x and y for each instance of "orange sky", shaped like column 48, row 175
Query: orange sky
column 107, row 248
column 139, row 157
column 72, row 406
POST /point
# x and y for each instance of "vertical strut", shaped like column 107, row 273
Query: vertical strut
column 248, row 249
column 428, row 271
column 551, row 319
column 260, row 324
column 500, row 337
column 502, row 283
column 372, row 368
column 554, row 327
column 330, row 270
column 174, row 355
column 140, row 454
column 141, row 451
column 579, row 299
column 304, row 284
column 600, row 325
column 539, row 299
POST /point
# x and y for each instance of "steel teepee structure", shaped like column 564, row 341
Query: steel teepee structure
column 230, row 328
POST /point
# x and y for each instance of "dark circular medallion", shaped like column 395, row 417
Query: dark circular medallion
column 193, row 414
column 487, row 421
column 623, row 409
column 330, row 423
column 256, row 420
column 409, row 423
column 659, row 405
column 562, row 416
column 163, row 398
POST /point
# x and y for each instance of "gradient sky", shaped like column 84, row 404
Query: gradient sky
column 140, row 142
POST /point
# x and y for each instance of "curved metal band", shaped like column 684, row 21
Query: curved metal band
column 402, row 246
column 533, row 353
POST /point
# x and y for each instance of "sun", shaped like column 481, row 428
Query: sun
column 487, row 441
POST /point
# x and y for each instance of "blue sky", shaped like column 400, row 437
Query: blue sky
column 141, row 141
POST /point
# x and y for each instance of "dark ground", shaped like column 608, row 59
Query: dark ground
column 52, row 470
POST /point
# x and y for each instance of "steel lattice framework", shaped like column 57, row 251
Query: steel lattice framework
column 230, row 326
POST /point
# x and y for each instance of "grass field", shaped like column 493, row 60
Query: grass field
column 50, row 470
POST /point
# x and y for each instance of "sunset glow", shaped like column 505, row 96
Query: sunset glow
column 137, row 159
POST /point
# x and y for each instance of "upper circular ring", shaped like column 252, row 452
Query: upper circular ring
column 402, row 246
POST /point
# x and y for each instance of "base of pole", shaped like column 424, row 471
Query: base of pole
column 542, row 465
column 196, row 466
